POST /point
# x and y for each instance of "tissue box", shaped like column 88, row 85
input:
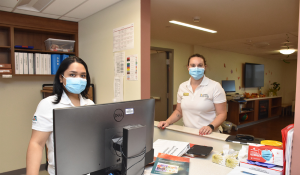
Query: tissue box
column 266, row 154
column 277, row 170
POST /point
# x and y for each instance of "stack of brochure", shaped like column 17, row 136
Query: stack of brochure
column 175, row 148
column 288, row 151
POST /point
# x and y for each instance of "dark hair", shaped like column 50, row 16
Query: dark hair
column 58, row 86
column 196, row 55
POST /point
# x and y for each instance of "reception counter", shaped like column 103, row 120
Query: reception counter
column 191, row 135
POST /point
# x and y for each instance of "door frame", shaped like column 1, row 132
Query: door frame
column 170, row 56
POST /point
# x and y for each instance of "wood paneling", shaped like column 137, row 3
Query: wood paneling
column 4, row 56
column 19, row 29
column 37, row 38
column 33, row 22
column 4, row 36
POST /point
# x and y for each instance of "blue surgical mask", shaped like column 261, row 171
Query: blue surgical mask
column 75, row 85
column 196, row 72
column 266, row 154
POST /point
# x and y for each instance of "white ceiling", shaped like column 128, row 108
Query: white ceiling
column 69, row 10
column 253, row 27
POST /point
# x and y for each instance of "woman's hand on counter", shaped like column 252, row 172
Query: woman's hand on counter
column 163, row 124
column 205, row 130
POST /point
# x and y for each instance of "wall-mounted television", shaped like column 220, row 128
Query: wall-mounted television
column 254, row 75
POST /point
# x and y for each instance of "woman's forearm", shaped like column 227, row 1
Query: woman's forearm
column 33, row 159
column 220, row 118
column 176, row 115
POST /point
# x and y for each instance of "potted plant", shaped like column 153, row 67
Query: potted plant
column 274, row 89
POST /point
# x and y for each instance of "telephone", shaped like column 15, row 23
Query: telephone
column 245, row 137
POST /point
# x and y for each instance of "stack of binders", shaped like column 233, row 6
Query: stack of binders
column 37, row 63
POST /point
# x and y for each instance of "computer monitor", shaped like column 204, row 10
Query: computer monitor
column 228, row 85
column 83, row 135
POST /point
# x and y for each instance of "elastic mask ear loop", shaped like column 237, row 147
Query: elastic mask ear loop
column 63, row 81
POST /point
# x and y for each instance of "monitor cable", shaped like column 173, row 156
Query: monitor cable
column 131, row 157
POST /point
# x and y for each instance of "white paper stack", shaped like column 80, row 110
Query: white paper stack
column 30, row 63
column 288, row 151
column 25, row 62
column 36, row 58
column 170, row 147
column 21, row 63
column 17, row 65
column 241, row 170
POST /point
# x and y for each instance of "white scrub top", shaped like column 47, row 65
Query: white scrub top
column 43, row 121
column 198, row 108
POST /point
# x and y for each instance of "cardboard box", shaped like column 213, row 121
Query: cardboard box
column 277, row 170
column 266, row 154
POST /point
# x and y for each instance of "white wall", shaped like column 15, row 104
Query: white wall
column 289, row 81
column 96, row 48
column 281, row 72
column 19, row 99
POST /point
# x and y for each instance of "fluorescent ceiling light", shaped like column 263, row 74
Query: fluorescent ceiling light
column 192, row 26
column 287, row 51
column 33, row 5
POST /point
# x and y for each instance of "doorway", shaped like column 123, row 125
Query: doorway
column 161, row 81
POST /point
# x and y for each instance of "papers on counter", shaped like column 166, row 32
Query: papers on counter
column 170, row 147
column 245, row 171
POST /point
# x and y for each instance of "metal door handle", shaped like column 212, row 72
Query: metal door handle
column 156, row 98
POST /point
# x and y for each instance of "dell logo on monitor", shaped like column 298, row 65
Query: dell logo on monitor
column 118, row 115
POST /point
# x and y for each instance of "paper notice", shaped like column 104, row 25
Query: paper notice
column 118, row 88
column 123, row 38
column 132, row 66
column 119, row 59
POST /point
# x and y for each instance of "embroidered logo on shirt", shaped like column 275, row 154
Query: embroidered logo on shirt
column 185, row 94
column 204, row 95
column 34, row 119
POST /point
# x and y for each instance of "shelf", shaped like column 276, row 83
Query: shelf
column 44, row 51
column 244, row 112
column 5, row 47
column 34, row 33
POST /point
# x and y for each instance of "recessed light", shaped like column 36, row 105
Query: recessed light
column 193, row 26
column 287, row 51
column 33, row 5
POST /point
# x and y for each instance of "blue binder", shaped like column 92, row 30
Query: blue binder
column 55, row 62
column 63, row 57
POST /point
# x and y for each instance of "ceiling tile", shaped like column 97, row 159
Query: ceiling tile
column 8, row 3
column 69, row 19
column 90, row 7
column 61, row 7
column 6, row 9
column 36, row 14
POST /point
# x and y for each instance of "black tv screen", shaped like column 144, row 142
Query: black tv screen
column 228, row 85
column 254, row 75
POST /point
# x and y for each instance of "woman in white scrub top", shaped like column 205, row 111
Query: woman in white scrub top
column 71, row 86
column 200, row 101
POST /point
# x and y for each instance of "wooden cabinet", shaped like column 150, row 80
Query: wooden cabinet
column 18, row 29
column 235, row 111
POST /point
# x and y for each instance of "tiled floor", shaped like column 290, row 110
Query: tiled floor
column 270, row 130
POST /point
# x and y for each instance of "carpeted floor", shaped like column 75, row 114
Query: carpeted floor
column 269, row 130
